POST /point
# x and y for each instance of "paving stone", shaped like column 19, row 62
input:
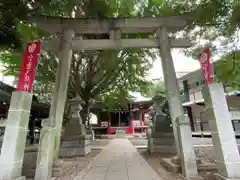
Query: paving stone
column 119, row 161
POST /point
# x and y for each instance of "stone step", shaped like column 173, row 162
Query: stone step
column 75, row 143
column 72, row 152
column 163, row 141
column 161, row 135
column 164, row 149
column 167, row 163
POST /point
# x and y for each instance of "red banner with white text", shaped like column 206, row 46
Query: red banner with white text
column 28, row 66
column 205, row 62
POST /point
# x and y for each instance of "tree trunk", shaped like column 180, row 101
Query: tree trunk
column 84, row 113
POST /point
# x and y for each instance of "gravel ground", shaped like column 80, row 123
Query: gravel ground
column 70, row 166
column 203, row 148
column 153, row 161
column 68, row 169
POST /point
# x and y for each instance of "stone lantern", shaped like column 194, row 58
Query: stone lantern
column 75, row 124
column 161, row 123
column 75, row 141
column 161, row 138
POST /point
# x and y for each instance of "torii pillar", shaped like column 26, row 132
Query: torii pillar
column 51, row 131
column 223, row 136
column 181, row 129
column 14, row 142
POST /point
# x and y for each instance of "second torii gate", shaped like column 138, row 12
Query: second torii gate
column 71, row 30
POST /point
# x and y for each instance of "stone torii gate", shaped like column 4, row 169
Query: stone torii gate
column 70, row 30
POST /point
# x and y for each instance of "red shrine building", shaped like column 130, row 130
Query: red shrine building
column 130, row 119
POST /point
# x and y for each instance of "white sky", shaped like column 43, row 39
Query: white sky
column 181, row 64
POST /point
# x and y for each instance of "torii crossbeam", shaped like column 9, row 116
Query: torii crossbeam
column 115, row 27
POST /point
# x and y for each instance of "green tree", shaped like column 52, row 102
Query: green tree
column 209, row 23
column 105, row 76
column 156, row 89
column 228, row 70
column 215, row 24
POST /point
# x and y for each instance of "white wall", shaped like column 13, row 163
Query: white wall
column 234, row 104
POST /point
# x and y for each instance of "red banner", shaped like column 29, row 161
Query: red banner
column 27, row 70
column 205, row 61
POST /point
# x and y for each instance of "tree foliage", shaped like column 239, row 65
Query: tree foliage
column 96, row 76
column 209, row 23
column 228, row 70
column 107, row 76
column 156, row 88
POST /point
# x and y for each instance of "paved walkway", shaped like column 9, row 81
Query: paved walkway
column 118, row 161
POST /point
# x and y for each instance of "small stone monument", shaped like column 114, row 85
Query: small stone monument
column 75, row 141
column 160, row 137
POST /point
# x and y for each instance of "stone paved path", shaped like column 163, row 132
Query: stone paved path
column 118, row 161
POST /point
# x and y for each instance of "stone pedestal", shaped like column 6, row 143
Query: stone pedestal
column 75, row 142
column 45, row 152
column 74, row 128
column 71, row 146
column 14, row 140
column 223, row 137
column 161, row 138
column 187, row 158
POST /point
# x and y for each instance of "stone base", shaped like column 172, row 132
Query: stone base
column 161, row 143
column 175, row 168
column 20, row 178
column 57, row 172
column 71, row 152
column 167, row 163
column 191, row 178
column 207, row 168
column 29, row 172
column 104, row 136
column 220, row 177
column 163, row 149
column 75, row 146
